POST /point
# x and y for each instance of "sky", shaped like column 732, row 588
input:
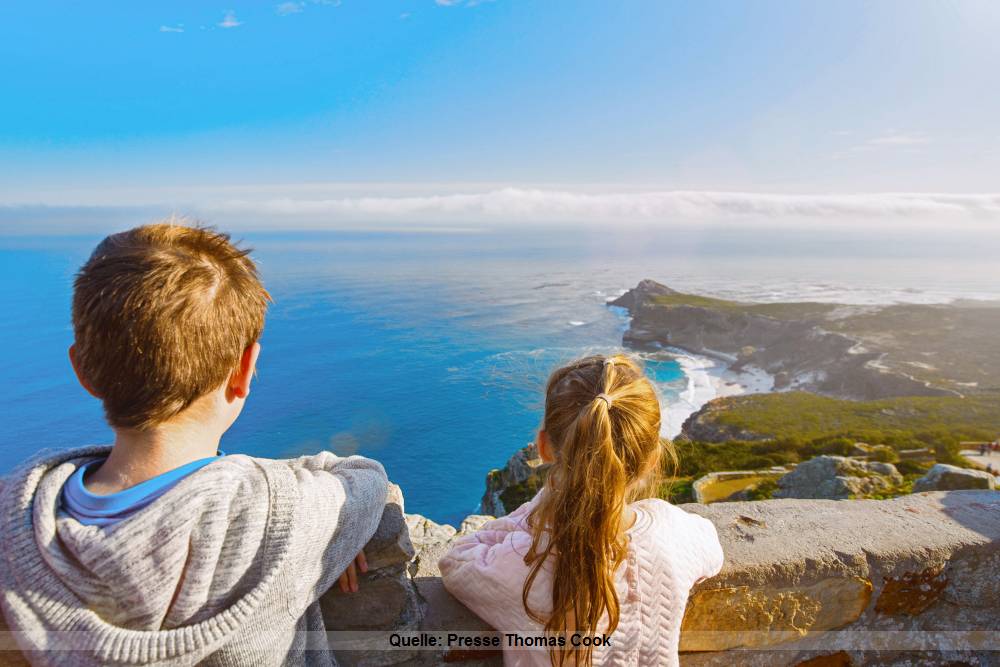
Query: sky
column 326, row 113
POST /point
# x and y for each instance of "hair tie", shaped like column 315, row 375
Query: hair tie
column 610, row 361
column 607, row 399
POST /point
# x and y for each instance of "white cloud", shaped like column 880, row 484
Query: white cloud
column 168, row 28
column 229, row 20
column 899, row 139
column 662, row 207
column 286, row 8
column 447, row 3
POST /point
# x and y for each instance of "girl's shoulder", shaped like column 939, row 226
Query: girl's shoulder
column 658, row 517
column 662, row 511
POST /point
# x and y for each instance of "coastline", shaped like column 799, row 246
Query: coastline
column 708, row 378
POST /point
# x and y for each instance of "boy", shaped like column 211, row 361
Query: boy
column 161, row 549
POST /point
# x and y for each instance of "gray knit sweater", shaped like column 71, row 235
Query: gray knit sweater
column 224, row 569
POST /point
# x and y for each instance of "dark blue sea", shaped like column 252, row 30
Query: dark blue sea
column 428, row 351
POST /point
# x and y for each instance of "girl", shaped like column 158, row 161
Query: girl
column 595, row 552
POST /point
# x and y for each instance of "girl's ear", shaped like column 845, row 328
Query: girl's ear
column 544, row 447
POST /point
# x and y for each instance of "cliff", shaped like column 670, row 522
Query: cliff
column 517, row 482
column 856, row 352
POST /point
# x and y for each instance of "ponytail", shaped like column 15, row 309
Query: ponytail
column 603, row 420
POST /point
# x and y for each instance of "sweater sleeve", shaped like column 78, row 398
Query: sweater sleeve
column 341, row 503
column 486, row 570
column 706, row 549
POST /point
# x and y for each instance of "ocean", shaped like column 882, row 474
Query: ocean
column 429, row 351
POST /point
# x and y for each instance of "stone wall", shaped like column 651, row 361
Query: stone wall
column 908, row 581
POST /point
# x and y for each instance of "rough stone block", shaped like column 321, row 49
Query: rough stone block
column 391, row 543
column 474, row 522
column 912, row 592
column 741, row 616
column 944, row 477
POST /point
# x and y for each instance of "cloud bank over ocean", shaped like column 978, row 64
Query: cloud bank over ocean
column 553, row 205
column 318, row 207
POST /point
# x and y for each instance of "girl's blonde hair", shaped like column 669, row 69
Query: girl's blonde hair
column 602, row 419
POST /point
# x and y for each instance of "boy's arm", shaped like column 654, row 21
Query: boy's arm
column 341, row 503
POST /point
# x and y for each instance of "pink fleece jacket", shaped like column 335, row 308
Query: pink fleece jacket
column 669, row 550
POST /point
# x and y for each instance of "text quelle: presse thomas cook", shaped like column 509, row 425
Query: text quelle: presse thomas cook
column 499, row 640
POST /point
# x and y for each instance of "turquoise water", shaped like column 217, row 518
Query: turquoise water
column 428, row 351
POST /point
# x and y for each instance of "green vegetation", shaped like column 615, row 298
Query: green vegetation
column 901, row 423
column 812, row 425
column 701, row 458
column 898, row 490
column 762, row 490
column 516, row 495
column 779, row 311
column 678, row 490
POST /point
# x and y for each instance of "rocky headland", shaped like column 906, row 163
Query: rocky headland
column 509, row 487
column 855, row 352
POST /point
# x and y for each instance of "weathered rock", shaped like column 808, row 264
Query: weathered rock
column 474, row 522
column 387, row 598
column 424, row 531
column 637, row 296
column 944, row 477
column 445, row 613
column 921, row 455
column 516, row 483
column 837, row 478
column 391, row 543
column 723, row 618
column 431, row 541
column 931, row 560
column 912, row 592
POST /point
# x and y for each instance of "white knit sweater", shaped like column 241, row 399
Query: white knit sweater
column 224, row 569
column 669, row 551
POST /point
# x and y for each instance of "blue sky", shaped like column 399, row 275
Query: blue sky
column 190, row 105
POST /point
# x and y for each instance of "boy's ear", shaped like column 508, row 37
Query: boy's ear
column 239, row 382
column 544, row 446
column 79, row 376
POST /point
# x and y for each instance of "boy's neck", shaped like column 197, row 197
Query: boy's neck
column 141, row 455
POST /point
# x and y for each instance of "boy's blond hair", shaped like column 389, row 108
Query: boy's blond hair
column 162, row 314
